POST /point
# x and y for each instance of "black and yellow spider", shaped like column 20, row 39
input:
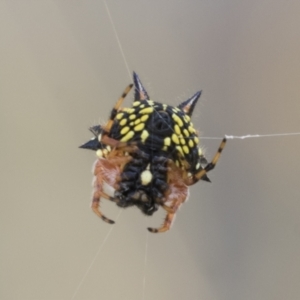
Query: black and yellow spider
column 149, row 154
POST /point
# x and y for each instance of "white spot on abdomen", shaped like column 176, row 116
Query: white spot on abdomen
column 146, row 177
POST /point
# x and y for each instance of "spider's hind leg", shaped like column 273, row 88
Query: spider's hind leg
column 176, row 194
column 171, row 211
column 95, row 205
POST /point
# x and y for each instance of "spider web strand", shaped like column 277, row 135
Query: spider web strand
column 145, row 265
column 117, row 38
column 95, row 257
column 248, row 136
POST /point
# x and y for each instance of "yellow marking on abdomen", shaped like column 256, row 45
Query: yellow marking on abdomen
column 123, row 122
column 119, row 116
column 175, row 138
column 177, row 120
column 147, row 110
column 127, row 137
column 144, row 135
column 167, row 141
column 124, row 130
column 139, row 127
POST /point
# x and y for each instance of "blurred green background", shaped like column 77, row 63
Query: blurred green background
column 61, row 71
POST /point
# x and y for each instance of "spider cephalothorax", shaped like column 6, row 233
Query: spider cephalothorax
column 149, row 154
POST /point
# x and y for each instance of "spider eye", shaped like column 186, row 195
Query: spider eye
column 160, row 123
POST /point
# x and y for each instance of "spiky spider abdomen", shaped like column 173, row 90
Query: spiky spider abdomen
column 149, row 154
column 162, row 133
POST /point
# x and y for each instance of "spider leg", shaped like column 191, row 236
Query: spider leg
column 170, row 215
column 95, row 205
column 106, row 171
column 168, row 208
column 197, row 176
column 176, row 195
column 114, row 111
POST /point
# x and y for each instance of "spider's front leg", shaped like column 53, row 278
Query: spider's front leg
column 199, row 175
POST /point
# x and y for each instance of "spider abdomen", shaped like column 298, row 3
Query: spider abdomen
column 149, row 154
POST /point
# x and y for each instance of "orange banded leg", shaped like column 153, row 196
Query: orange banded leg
column 114, row 111
column 104, row 172
column 171, row 211
column 169, row 218
column 96, row 204
column 196, row 177
column 168, row 209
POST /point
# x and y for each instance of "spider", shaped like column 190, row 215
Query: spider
column 149, row 155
